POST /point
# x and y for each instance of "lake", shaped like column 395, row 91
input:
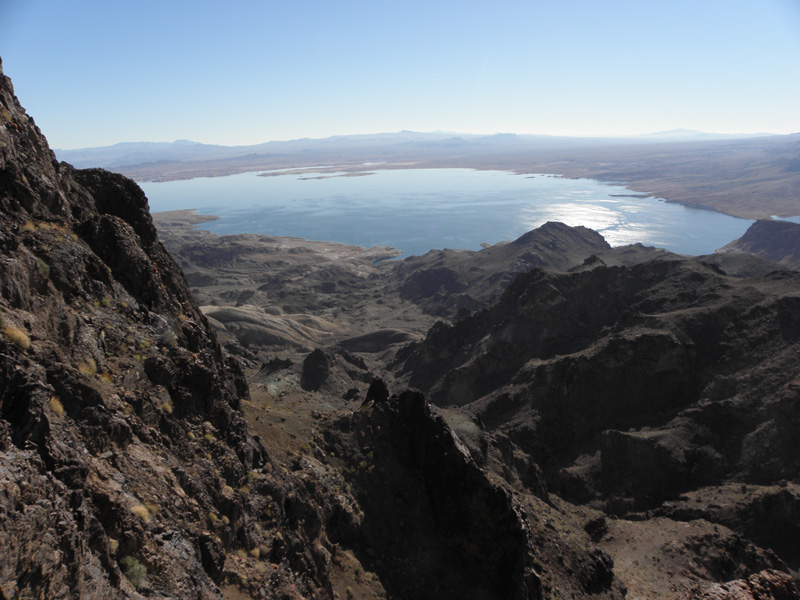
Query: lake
column 415, row 210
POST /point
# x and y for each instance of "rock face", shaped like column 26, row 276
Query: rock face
column 766, row 585
column 121, row 440
column 776, row 241
column 431, row 506
column 631, row 385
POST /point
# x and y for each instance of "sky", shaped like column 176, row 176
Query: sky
column 99, row 72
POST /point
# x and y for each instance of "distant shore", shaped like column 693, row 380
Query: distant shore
column 749, row 179
column 187, row 216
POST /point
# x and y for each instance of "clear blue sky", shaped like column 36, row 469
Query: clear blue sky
column 98, row 72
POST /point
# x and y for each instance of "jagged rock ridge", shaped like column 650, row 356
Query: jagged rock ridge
column 631, row 385
column 124, row 457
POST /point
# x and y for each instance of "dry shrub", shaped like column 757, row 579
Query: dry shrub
column 17, row 336
column 55, row 405
column 88, row 368
column 140, row 510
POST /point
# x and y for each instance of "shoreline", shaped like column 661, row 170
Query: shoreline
column 638, row 190
column 747, row 179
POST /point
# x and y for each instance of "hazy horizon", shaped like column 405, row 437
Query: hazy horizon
column 95, row 73
column 688, row 133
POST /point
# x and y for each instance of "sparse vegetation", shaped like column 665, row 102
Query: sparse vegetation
column 134, row 571
column 140, row 510
column 167, row 338
column 88, row 367
column 17, row 336
column 55, row 405
column 43, row 267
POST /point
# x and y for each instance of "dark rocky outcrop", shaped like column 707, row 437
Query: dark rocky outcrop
column 316, row 370
column 430, row 507
column 629, row 385
column 121, row 439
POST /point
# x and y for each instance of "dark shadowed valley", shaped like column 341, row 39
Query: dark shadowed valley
column 184, row 415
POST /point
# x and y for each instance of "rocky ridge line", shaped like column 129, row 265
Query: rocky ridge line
column 125, row 462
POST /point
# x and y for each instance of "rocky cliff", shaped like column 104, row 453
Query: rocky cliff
column 125, row 462
column 776, row 241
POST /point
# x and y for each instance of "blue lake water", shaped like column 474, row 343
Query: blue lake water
column 416, row 210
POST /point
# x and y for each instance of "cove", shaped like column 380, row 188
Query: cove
column 416, row 210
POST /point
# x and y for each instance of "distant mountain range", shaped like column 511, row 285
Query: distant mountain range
column 139, row 153
column 748, row 176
